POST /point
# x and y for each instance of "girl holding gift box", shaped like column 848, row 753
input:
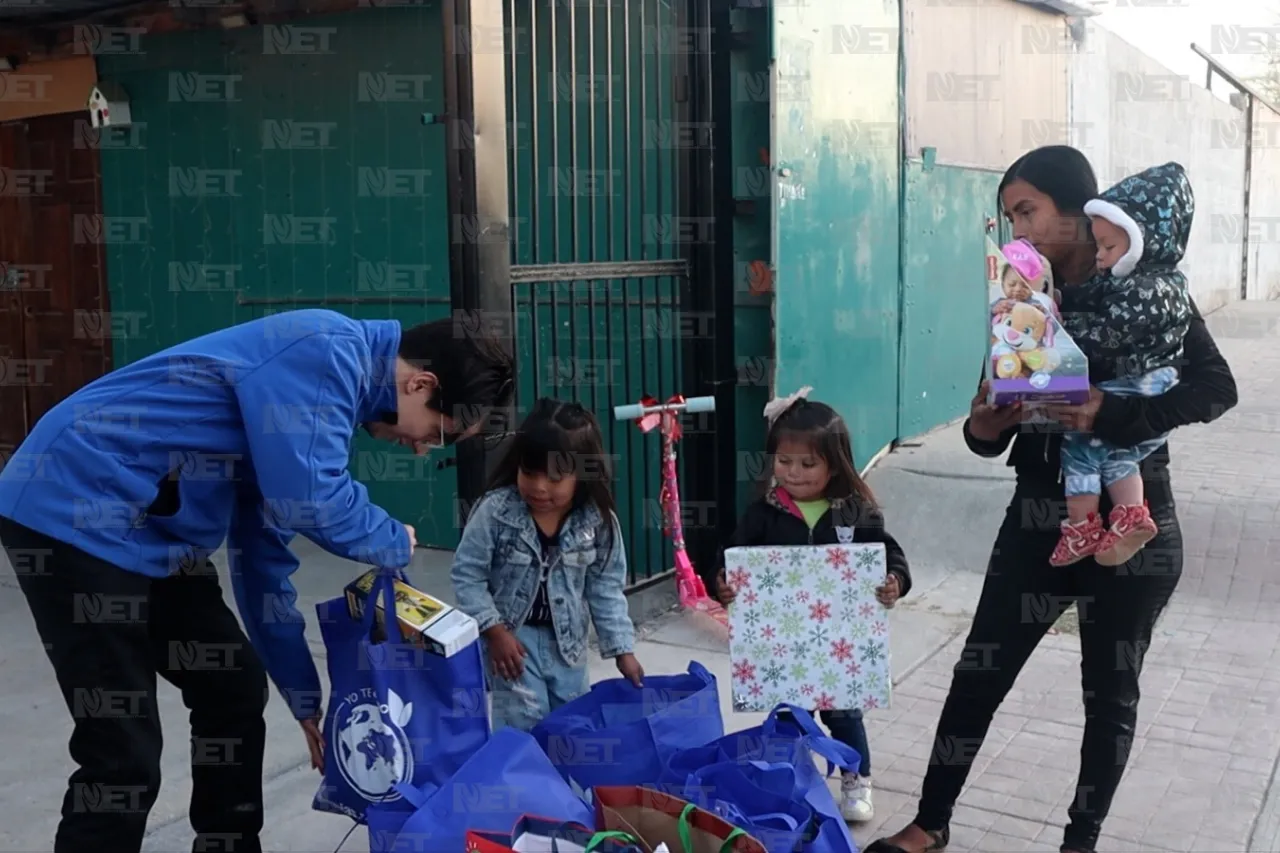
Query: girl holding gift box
column 819, row 499
column 541, row 553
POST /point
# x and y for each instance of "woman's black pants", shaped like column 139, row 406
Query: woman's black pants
column 1021, row 599
column 109, row 633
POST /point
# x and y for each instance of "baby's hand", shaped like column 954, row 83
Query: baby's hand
column 890, row 591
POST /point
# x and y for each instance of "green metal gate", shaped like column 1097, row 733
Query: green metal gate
column 603, row 229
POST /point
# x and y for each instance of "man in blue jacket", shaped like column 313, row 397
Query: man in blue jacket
column 111, row 507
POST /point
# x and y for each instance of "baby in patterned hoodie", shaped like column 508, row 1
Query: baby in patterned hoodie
column 1136, row 313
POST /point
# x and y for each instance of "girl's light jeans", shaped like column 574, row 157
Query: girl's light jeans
column 546, row 683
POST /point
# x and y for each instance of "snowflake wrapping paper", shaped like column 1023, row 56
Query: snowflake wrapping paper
column 806, row 627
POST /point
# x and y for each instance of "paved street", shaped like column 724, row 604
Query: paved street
column 1207, row 742
column 1207, row 738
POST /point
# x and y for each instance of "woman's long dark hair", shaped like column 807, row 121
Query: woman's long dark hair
column 1063, row 174
column 557, row 439
column 819, row 426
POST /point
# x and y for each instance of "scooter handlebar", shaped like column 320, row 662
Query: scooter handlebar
column 692, row 405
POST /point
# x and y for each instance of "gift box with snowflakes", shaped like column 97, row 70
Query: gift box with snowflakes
column 806, row 627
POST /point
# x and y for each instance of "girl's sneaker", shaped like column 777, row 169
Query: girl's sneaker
column 855, row 798
column 1131, row 529
column 1078, row 541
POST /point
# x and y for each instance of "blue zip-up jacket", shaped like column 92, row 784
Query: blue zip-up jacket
column 242, row 436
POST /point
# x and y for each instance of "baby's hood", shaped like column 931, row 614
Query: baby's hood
column 1155, row 208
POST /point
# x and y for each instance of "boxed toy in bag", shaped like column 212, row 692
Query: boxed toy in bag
column 425, row 621
column 1032, row 359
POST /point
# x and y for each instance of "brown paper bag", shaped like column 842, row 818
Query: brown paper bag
column 656, row 818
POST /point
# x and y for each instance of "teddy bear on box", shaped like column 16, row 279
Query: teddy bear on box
column 1022, row 342
column 1031, row 358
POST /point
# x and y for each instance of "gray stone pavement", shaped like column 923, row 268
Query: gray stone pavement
column 1208, row 738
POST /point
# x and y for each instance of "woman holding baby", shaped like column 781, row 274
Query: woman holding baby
column 1043, row 194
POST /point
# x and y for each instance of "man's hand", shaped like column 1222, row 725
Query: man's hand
column 506, row 652
column 987, row 422
column 315, row 742
column 631, row 669
column 413, row 536
column 890, row 591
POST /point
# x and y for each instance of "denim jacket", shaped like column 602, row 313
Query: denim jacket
column 498, row 566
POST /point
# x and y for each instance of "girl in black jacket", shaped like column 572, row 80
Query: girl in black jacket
column 819, row 499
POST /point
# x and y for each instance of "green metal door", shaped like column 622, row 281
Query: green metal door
column 289, row 167
column 835, row 159
column 601, row 228
column 348, row 205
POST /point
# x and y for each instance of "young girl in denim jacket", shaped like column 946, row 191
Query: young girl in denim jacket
column 541, row 552
column 819, row 499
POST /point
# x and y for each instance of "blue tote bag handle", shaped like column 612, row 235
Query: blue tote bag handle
column 698, row 670
column 414, row 796
column 384, row 593
column 836, row 753
column 803, row 719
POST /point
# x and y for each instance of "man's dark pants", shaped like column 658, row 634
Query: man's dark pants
column 108, row 633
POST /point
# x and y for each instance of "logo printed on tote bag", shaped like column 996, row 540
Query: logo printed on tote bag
column 370, row 744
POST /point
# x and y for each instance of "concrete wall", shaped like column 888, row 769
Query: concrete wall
column 1129, row 112
column 984, row 81
column 1264, row 206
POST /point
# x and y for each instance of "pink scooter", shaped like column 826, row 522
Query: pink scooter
column 648, row 414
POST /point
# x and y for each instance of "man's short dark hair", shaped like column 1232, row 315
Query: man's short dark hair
column 473, row 365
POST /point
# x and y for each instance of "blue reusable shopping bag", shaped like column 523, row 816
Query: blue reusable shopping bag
column 385, row 820
column 758, row 797
column 620, row 734
column 397, row 713
column 508, row 778
column 787, row 741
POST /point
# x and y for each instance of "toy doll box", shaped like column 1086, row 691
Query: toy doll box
column 425, row 622
column 1032, row 358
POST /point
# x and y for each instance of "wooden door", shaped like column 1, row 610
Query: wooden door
column 55, row 327
column 13, row 223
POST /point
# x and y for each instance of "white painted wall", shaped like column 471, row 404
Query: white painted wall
column 1129, row 112
column 985, row 81
column 1264, row 206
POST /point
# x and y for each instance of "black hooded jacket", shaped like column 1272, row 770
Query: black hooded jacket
column 768, row 521
column 1134, row 319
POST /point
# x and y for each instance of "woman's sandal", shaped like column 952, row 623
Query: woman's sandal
column 940, row 839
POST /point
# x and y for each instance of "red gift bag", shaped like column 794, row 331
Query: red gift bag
column 654, row 819
column 538, row 835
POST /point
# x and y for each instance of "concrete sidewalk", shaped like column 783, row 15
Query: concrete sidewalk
column 1201, row 770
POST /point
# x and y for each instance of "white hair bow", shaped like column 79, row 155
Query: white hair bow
column 775, row 407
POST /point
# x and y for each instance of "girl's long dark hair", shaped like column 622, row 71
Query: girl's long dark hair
column 826, row 433
column 559, row 438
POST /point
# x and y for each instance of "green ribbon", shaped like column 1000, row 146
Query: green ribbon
column 687, row 840
column 601, row 837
